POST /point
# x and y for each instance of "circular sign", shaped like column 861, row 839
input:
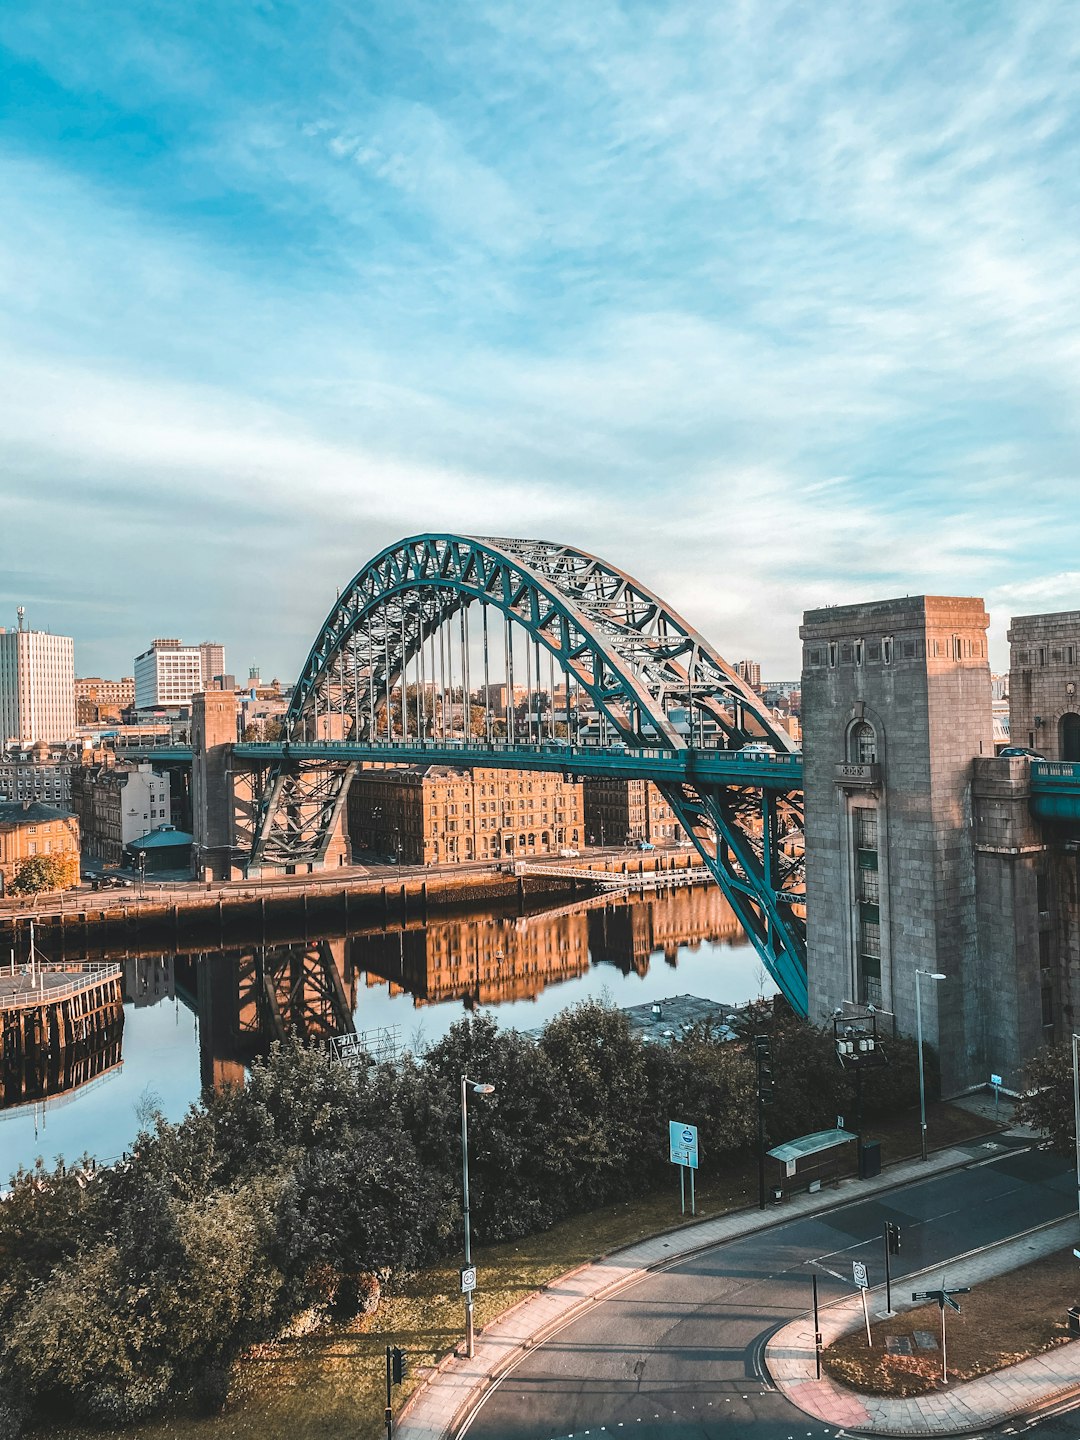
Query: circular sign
column 468, row 1279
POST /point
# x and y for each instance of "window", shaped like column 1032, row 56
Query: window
column 858, row 650
column 862, row 744
column 832, row 654
column 865, row 824
column 1048, row 1009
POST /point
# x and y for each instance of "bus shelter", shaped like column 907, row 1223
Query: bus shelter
column 809, row 1162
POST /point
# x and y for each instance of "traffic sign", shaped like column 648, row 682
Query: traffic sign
column 468, row 1280
column 995, row 1080
column 858, row 1270
column 683, row 1144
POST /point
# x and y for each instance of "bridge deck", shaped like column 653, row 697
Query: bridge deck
column 767, row 769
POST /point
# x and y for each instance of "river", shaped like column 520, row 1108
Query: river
column 194, row 1020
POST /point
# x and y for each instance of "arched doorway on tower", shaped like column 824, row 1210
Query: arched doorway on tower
column 1069, row 737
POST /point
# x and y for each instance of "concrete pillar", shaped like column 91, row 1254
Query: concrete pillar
column 213, row 735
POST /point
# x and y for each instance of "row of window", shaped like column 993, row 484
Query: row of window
column 1042, row 655
column 885, row 651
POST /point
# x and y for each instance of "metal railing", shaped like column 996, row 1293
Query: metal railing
column 87, row 973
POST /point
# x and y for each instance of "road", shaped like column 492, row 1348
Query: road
column 679, row 1353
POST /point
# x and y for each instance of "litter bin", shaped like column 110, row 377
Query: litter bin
column 1074, row 1319
column 777, row 1193
column 870, row 1159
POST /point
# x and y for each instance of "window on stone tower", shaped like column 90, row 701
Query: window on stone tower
column 862, row 744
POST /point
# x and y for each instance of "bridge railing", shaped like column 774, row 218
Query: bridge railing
column 791, row 760
column 1055, row 770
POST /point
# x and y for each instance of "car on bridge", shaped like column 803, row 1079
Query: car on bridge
column 1019, row 752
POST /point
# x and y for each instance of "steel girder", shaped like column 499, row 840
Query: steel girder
column 632, row 654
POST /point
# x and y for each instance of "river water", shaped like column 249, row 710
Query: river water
column 194, row 1020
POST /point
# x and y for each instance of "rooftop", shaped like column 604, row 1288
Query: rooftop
column 15, row 812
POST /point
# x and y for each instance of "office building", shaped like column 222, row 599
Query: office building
column 169, row 673
column 37, row 685
column 213, row 666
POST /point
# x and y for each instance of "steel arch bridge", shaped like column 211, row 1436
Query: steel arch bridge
column 436, row 616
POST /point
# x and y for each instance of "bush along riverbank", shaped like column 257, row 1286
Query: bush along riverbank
column 303, row 1194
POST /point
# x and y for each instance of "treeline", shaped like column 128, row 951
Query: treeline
column 316, row 1182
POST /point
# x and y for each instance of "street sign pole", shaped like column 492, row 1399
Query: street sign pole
column 682, row 1188
column 862, row 1279
column 817, row 1329
column 389, row 1412
column 944, row 1357
column 888, row 1274
column 693, row 1209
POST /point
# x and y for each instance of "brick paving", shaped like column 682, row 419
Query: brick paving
column 453, row 1387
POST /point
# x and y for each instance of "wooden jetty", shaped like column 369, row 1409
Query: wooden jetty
column 60, row 1027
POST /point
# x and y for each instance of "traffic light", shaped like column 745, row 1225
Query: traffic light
column 399, row 1364
column 763, row 1055
column 892, row 1235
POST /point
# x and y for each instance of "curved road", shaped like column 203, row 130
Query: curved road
column 679, row 1353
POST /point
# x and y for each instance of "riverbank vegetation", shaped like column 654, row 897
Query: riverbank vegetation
column 293, row 1202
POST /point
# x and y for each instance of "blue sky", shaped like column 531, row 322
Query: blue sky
column 774, row 305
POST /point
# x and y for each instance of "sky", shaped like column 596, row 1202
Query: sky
column 772, row 305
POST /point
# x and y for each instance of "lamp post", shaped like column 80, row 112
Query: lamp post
column 930, row 975
column 478, row 1089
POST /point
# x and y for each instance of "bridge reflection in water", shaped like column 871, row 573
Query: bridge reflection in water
column 247, row 998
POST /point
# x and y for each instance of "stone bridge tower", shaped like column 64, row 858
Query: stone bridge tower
column 896, row 705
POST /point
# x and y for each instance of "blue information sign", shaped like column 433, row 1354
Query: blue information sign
column 682, row 1144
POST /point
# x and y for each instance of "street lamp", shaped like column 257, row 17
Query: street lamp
column 468, row 1280
column 930, row 975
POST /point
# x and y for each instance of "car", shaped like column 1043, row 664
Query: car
column 756, row 747
column 1019, row 752
column 645, row 845
column 569, row 853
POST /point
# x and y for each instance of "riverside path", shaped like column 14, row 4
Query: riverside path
column 680, row 1352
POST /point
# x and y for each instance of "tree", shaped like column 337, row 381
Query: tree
column 1047, row 1102
column 38, row 873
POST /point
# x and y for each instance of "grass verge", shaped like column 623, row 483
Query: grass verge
column 1002, row 1321
column 332, row 1383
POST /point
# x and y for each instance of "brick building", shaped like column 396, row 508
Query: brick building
column 102, row 702
column 430, row 814
column 625, row 812
column 28, row 828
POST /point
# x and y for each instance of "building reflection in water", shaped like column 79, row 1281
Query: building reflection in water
column 245, row 998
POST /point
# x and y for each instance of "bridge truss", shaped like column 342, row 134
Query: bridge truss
column 438, row 622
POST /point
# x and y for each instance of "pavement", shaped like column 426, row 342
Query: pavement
column 454, row 1388
column 970, row 1405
